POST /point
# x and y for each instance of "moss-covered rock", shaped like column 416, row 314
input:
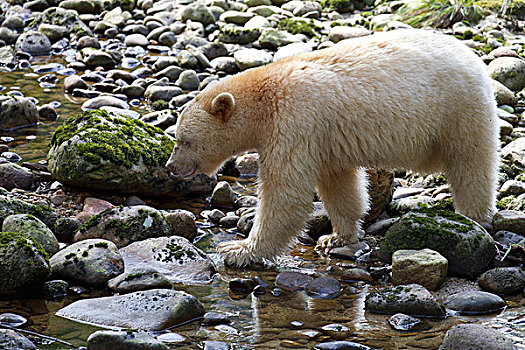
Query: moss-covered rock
column 34, row 227
column 24, row 264
column 124, row 225
column 108, row 152
column 62, row 17
column 465, row 244
column 10, row 206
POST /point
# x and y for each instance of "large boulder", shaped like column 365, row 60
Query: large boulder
column 124, row 225
column 464, row 243
column 108, row 152
column 17, row 112
column 151, row 310
column 24, row 264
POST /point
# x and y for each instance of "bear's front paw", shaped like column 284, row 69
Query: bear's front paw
column 327, row 242
column 237, row 253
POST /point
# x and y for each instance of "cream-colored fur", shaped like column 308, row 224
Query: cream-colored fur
column 405, row 99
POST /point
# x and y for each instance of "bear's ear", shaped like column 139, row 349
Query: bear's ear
column 223, row 105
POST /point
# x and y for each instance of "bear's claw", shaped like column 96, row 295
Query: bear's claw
column 237, row 253
column 327, row 242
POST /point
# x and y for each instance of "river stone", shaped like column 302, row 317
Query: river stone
column 55, row 289
column 514, row 152
column 98, row 102
column 425, row 267
column 24, row 265
column 81, row 6
column 250, row 58
column 318, row 223
column 410, row 299
column 140, row 279
column 474, row 337
column 15, row 176
column 222, row 196
column 512, row 187
column 151, row 310
column 503, row 95
column 402, row 322
column 475, row 303
column 91, row 262
column 509, row 71
column 95, row 58
column 136, row 40
column 324, row 287
column 182, row 223
column 503, row 280
column 464, row 243
column 125, row 225
column 123, row 155
column 129, row 340
column 32, row 226
column 164, row 93
column 236, row 17
column 232, row 34
column 11, row 340
column 339, row 33
column 509, row 220
column 291, row 280
column 272, row 38
column 173, row 257
column 341, row 345
column 188, row 80
column 10, row 206
column 16, row 112
column 33, row 42
column 404, row 205
column 199, row 13
column 7, row 57
column 291, row 50
column 74, row 82
column 53, row 32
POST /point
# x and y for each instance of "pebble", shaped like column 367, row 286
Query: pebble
column 402, row 322
column 291, row 280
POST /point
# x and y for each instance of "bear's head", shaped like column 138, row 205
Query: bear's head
column 207, row 132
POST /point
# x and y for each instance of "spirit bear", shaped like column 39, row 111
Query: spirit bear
column 407, row 99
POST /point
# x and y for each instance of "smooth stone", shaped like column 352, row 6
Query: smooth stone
column 33, row 42
column 475, row 303
column 512, row 187
column 34, row 227
column 12, row 320
column 151, row 310
column 503, row 95
column 340, row 33
column 509, row 220
column 222, row 196
column 402, row 322
column 341, row 345
column 324, row 287
column 291, row 50
column 291, row 280
column 182, row 223
column 129, row 340
column 509, row 71
column 164, row 93
column 215, row 318
column 250, row 58
column 17, row 112
column 139, row 279
column 15, row 176
column 356, row 274
column 514, row 152
column 136, row 40
column 350, row 251
column 98, row 102
column 411, row 299
column 91, row 262
column 11, row 340
column 318, row 223
column 476, row 336
column 55, row 289
column 503, row 280
column 425, row 267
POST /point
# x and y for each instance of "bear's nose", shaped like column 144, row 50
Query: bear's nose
column 170, row 165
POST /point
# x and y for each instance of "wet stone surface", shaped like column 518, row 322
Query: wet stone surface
column 475, row 303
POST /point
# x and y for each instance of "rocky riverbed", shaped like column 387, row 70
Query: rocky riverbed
column 101, row 247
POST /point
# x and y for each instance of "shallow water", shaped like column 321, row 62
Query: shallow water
column 264, row 322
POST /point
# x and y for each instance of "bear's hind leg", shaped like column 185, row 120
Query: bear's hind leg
column 345, row 198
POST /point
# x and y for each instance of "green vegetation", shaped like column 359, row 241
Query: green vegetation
column 440, row 13
column 299, row 26
column 22, row 241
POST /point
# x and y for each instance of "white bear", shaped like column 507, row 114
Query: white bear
column 407, row 99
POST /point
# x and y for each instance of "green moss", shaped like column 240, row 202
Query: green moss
column 160, row 105
column 70, row 256
column 118, row 139
column 505, row 202
column 22, row 241
column 337, row 5
column 299, row 26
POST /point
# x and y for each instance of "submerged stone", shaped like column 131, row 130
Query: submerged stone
column 291, row 280
column 475, row 303
column 107, row 152
column 129, row 340
column 151, row 310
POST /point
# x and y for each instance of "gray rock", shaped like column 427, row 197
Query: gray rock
column 464, row 243
column 174, row 257
column 88, row 41
column 164, row 93
column 291, row 280
column 508, row 238
column 143, row 151
column 503, row 95
column 125, row 225
column 291, row 50
column 475, row 303
column 129, row 340
column 151, row 310
column 509, row 220
column 402, row 322
column 95, row 58
column 33, row 42
column 10, row 340
column 8, row 35
column 167, row 38
column 425, row 267
column 91, row 262
column 272, row 38
column 245, row 223
column 17, row 112
column 514, row 152
column 250, row 58
column 53, row 32
column 117, row 16
column 509, row 71
column 503, row 280
column 139, row 279
column 14, row 176
column 340, row 33
column 161, row 119
column 55, row 289
column 324, row 287
column 13, row 22
column 406, row 204
column 512, row 187
column 10, row 206
column 318, row 223
column 236, row 17
column 476, row 336
column 74, row 82
column 8, row 57
column 24, row 264
column 411, row 299
column 232, row 34
column 102, row 101
column 78, row 5
column 170, row 72
column 32, row 226
column 225, row 64
column 188, row 80
column 222, row 196
column 136, row 40
column 199, row 13
column 182, row 223
column 341, row 345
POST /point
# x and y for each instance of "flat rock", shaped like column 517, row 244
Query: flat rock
column 102, row 101
column 129, row 340
column 151, row 310
column 250, row 58
column 291, row 280
column 425, row 267
column 476, row 336
column 173, row 257
column 324, row 287
column 139, row 279
column 411, row 299
column 475, row 303
column 341, row 345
